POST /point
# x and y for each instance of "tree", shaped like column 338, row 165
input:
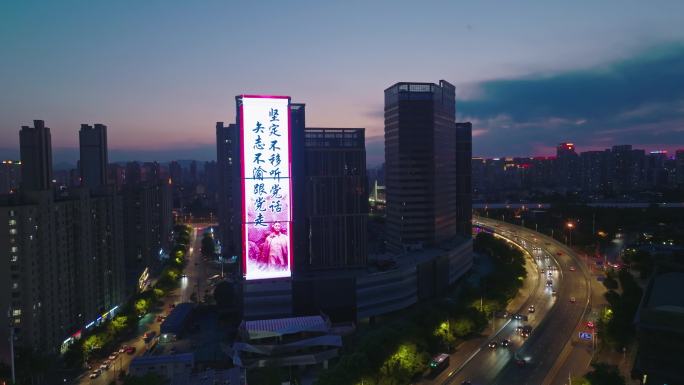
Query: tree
column 604, row 374
column 463, row 327
column 118, row 324
column 142, row 306
column 610, row 283
column 92, row 343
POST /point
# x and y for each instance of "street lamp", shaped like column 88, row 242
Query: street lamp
column 570, row 226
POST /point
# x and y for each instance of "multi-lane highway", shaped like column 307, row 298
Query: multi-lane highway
column 555, row 321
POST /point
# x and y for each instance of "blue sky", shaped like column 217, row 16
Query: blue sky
column 161, row 73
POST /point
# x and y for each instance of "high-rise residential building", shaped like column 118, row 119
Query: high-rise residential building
column 133, row 174
column 36, row 157
column 336, row 197
column 148, row 221
column 593, row 170
column 679, row 167
column 10, row 176
column 420, row 163
column 567, row 168
column 64, row 265
column 655, row 171
column 464, row 190
column 626, row 168
column 176, row 172
column 226, row 150
column 93, row 161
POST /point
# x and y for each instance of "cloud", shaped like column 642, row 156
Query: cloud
column 639, row 100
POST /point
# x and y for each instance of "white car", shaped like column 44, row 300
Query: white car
column 94, row 374
column 104, row 366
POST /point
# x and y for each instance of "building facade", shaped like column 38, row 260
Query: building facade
column 93, row 150
column 420, row 165
column 337, row 200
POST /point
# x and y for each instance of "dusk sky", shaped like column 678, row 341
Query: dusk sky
column 159, row 74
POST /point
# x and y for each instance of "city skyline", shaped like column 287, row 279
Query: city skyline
column 123, row 77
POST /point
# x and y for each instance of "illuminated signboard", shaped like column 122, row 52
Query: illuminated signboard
column 266, row 186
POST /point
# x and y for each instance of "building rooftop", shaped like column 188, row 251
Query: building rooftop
column 278, row 327
column 662, row 295
column 182, row 358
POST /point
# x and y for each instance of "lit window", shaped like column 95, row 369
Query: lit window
column 12, row 222
column 15, row 285
column 14, row 258
column 16, row 312
column 15, row 249
column 13, row 231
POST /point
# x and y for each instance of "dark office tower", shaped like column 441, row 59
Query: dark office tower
column 567, row 166
column 679, row 167
column 420, row 164
column 336, row 197
column 36, row 157
column 226, row 147
column 464, row 189
column 93, row 149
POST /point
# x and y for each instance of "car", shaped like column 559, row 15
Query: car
column 184, row 275
column 147, row 337
column 492, row 344
column 559, row 253
column 112, row 357
column 526, row 331
column 130, row 350
column 123, row 349
column 520, row 362
column 554, row 292
column 518, row 330
column 542, row 271
column 573, row 300
column 94, row 374
column 549, row 283
column 104, row 366
column 172, row 305
column 572, row 268
column 504, row 343
column 161, row 318
column 531, row 309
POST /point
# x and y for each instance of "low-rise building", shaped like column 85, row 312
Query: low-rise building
column 298, row 341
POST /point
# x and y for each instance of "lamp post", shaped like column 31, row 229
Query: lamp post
column 570, row 226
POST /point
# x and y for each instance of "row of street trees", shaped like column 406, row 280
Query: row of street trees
column 108, row 335
column 398, row 351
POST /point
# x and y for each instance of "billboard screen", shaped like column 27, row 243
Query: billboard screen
column 266, row 186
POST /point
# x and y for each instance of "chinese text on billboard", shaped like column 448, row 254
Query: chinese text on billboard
column 266, row 187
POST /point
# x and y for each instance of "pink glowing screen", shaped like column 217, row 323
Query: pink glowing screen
column 266, row 187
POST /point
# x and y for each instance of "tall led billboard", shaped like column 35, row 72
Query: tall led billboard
column 266, row 186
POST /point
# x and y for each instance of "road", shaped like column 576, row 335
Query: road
column 555, row 322
column 197, row 272
column 470, row 349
